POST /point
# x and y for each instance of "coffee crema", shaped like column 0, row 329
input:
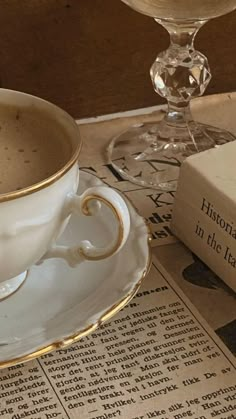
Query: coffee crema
column 32, row 147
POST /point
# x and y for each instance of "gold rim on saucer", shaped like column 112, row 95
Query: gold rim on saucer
column 60, row 344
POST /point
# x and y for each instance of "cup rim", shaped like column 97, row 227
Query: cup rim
column 8, row 196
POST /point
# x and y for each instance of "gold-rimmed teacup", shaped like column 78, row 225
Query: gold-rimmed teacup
column 39, row 178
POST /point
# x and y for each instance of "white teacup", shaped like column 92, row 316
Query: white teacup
column 34, row 215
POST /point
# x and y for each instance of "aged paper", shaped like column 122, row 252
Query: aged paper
column 156, row 358
column 209, row 294
column 204, row 289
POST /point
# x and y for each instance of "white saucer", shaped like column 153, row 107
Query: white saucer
column 58, row 305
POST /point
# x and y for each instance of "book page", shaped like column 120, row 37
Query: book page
column 156, row 358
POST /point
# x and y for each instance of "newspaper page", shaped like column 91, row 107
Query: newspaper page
column 156, row 359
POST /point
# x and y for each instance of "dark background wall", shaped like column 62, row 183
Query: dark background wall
column 92, row 57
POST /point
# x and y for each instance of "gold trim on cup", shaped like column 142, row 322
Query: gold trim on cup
column 46, row 182
column 86, row 211
column 53, row 178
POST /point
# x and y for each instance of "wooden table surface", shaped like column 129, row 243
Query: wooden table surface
column 92, row 57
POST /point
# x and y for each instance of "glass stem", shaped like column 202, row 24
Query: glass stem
column 180, row 73
column 178, row 115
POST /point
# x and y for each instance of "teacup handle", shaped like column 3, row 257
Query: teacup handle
column 88, row 204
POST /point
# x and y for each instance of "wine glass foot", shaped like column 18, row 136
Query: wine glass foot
column 150, row 155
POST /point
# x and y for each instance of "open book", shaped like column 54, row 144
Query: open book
column 169, row 354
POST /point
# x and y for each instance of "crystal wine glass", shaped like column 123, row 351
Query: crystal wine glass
column 151, row 154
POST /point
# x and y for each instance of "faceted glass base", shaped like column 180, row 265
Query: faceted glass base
column 151, row 154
